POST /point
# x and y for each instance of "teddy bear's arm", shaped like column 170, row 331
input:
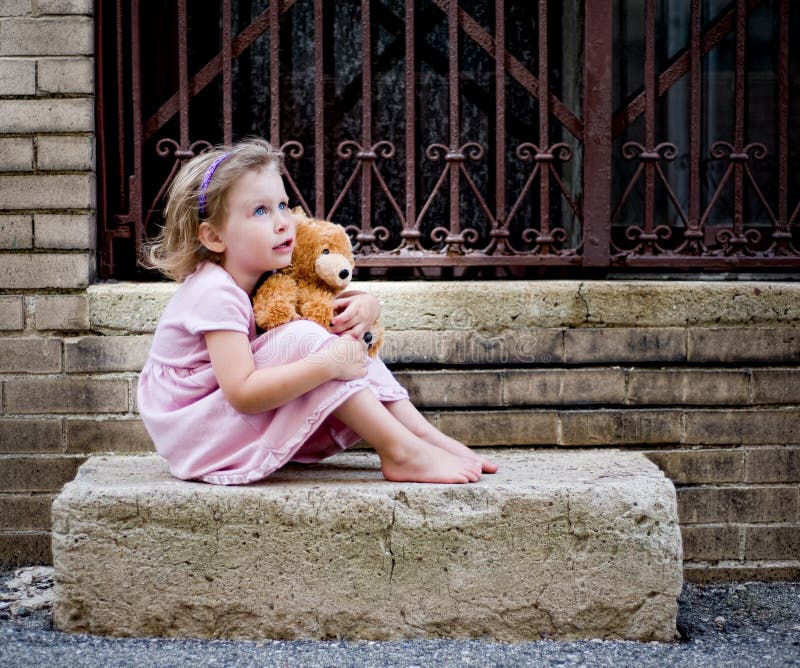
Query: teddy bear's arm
column 274, row 302
column 316, row 305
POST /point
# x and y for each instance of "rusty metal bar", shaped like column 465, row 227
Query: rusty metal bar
column 183, row 76
column 738, row 142
column 367, row 156
column 783, row 126
column 135, row 181
column 410, row 233
column 544, row 131
column 500, row 106
column 120, row 100
column 319, row 113
column 227, row 73
column 274, row 73
column 597, row 133
column 694, row 234
column 650, row 123
column 453, row 70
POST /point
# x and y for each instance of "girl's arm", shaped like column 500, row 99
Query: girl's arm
column 251, row 390
column 355, row 313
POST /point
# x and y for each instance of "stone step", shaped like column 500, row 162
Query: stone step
column 556, row 544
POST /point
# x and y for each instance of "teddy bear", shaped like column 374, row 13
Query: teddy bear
column 322, row 266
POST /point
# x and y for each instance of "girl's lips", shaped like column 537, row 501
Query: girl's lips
column 284, row 246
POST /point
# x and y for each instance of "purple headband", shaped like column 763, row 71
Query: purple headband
column 201, row 201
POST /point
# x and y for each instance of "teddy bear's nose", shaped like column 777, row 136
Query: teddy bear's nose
column 344, row 273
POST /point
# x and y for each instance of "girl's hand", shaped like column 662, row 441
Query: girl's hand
column 355, row 313
column 347, row 358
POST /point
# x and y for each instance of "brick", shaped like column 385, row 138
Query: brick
column 776, row 386
column 534, row 346
column 46, row 270
column 15, row 8
column 67, row 395
column 25, row 512
column 65, row 75
column 24, row 549
column 710, row 543
column 738, row 345
column 72, row 35
column 65, row 231
column 633, row 345
column 623, row 427
column 17, row 76
column 577, row 387
column 30, row 436
column 772, row 543
column 494, row 428
column 671, row 387
column 65, row 7
column 42, row 473
column 12, row 316
column 106, row 353
column 61, row 312
column 91, row 436
column 30, row 355
column 54, row 152
column 47, row 191
column 743, row 427
column 16, row 153
column 706, row 505
column 16, row 232
column 724, row 574
column 700, row 466
column 773, row 465
column 50, row 115
column 443, row 388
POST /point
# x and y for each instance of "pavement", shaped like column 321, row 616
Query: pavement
column 741, row 625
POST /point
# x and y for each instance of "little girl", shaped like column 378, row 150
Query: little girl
column 225, row 406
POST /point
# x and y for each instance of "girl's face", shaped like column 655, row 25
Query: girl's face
column 258, row 231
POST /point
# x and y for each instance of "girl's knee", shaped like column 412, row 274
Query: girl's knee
column 289, row 342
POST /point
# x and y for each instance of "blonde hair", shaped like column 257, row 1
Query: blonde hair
column 177, row 250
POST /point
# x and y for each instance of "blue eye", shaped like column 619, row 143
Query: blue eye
column 260, row 211
column 283, row 206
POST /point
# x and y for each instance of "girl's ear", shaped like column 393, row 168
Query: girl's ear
column 210, row 238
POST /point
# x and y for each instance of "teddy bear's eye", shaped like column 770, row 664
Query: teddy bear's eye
column 325, row 251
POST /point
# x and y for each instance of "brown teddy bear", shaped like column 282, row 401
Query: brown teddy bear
column 322, row 266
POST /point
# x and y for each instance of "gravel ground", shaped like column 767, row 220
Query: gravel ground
column 752, row 624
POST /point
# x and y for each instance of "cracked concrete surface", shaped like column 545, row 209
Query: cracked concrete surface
column 558, row 544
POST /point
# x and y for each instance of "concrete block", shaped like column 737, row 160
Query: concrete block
column 671, row 387
column 65, row 35
column 38, row 473
column 15, row 8
column 773, row 465
column 91, row 436
column 736, row 345
column 452, row 388
column 46, row 270
column 30, row 355
column 67, row 395
column 711, row 542
column 30, row 435
column 776, row 386
column 745, row 572
column 743, row 426
column 779, row 542
column 24, row 549
column 700, row 466
column 16, row 231
column 47, row 191
column 542, row 387
column 567, row 545
column 106, row 353
column 128, row 307
column 60, row 7
column 47, row 115
column 16, row 153
column 12, row 315
column 65, row 75
column 54, row 152
column 65, row 231
column 17, row 76
column 499, row 428
column 619, row 427
column 25, row 512
column 624, row 345
column 61, row 312
column 737, row 503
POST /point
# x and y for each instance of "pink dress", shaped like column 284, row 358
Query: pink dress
column 187, row 415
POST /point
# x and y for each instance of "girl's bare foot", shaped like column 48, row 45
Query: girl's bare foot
column 419, row 461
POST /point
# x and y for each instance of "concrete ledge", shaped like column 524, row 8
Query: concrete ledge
column 491, row 308
column 557, row 544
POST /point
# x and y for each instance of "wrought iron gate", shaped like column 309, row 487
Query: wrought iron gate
column 574, row 134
